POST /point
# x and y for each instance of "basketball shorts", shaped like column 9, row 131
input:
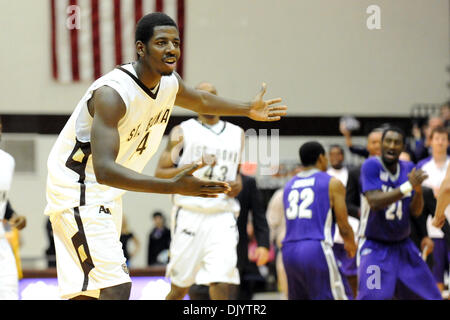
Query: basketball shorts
column 9, row 282
column 89, row 254
column 312, row 272
column 394, row 270
column 345, row 263
column 441, row 258
column 203, row 248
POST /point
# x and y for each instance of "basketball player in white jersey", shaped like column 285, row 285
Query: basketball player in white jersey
column 204, row 231
column 9, row 281
column 114, row 131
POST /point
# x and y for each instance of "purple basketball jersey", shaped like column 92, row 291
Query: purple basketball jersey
column 307, row 207
column 390, row 224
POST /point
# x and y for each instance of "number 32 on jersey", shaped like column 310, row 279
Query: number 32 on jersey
column 300, row 210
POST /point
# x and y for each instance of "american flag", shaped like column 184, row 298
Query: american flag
column 90, row 37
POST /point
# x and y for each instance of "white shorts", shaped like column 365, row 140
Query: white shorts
column 89, row 254
column 203, row 248
column 9, row 280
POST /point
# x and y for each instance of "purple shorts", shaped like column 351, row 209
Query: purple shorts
column 312, row 272
column 441, row 258
column 347, row 265
column 394, row 270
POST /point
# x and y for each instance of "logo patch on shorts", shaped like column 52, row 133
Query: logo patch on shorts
column 125, row 268
column 104, row 210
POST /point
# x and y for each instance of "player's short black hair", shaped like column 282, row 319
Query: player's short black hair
column 157, row 214
column 395, row 129
column 146, row 25
column 309, row 153
column 336, row 146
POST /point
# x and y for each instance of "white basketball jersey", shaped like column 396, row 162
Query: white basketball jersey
column 224, row 141
column 435, row 177
column 71, row 180
column 7, row 165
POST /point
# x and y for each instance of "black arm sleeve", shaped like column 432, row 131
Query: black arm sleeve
column 359, row 150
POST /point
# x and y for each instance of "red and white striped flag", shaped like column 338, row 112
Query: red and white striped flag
column 90, row 37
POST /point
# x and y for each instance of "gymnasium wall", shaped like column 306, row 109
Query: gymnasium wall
column 318, row 55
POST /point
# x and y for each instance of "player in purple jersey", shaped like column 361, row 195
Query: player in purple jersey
column 313, row 201
column 389, row 264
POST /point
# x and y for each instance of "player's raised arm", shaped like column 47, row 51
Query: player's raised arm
column 337, row 196
column 206, row 103
column 443, row 201
column 107, row 109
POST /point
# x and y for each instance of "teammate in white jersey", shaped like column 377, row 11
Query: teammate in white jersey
column 9, row 281
column 204, row 231
column 115, row 129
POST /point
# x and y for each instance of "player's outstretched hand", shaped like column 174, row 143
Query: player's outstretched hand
column 187, row 184
column 263, row 110
column 416, row 177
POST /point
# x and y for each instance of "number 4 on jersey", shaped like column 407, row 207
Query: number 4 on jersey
column 143, row 144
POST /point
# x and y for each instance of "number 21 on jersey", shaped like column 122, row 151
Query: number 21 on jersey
column 395, row 209
column 300, row 210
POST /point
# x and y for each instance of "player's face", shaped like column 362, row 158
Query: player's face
column 336, row 158
column 439, row 142
column 163, row 50
column 391, row 147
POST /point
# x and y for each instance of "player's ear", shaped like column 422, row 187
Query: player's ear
column 140, row 48
column 323, row 160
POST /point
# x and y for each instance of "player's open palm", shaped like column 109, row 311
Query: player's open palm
column 416, row 177
column 187, row 184
column 263, row 110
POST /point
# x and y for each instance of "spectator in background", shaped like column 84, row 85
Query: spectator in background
column 421, row 147
column 277, row 226
column 444, row 112
column 435, row 166
column 353, row 187
column 373, row 141
column 158, row 241
column 125, row 236
column 338, row 170
column 250, row 199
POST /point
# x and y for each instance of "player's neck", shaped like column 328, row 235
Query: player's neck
column 439, row 158
column 210, row 121
column 392, row 167
column 308, row 168
column 148, row 76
